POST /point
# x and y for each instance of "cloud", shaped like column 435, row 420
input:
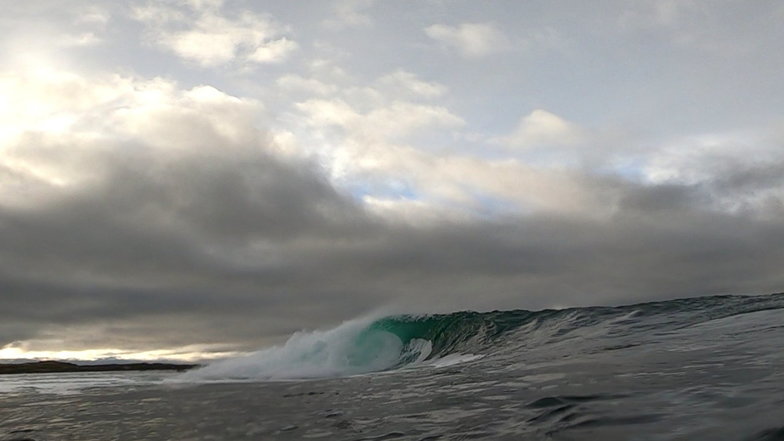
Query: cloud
column 312, row 86
column 472, row 40
column 274, row 51
column 350, row 13
column 695, row 159
column 396, row 119
column 374, row 151
column 727, row 30
column 542, row 128
column 368, row 145
column 31, row 30
column 403, row 82
column 165, row 218
column 740, row 168
column 544, row 139
column 204, row 34
column 135, row 198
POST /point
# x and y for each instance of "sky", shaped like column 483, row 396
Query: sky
column 187, row 179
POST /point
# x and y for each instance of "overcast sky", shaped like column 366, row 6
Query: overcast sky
column 199, row 176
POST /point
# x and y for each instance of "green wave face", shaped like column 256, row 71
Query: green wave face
column 469, row 332
column 452, row 333
column 375, row 348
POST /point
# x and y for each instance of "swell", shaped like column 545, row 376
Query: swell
column 468, row 331
column 372, row 345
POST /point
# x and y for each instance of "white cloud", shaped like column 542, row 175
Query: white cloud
column 409, row 211
column 392, row 121
column 406, row 82
column 402, row 118
column 328, row 112
column 541, row 128
column 693, row 160
column 54, row 126
column 370, row 137
column 472, row 40
column 544, row 139
column 461, row 186
column 39, row 99
column 350, row 13
column 739, row 170
column 202, row 33
column 373, row 148
column 274, row 51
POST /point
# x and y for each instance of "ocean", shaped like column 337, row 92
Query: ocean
column 709, row 368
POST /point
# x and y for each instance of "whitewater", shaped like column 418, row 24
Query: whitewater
column 686, row 369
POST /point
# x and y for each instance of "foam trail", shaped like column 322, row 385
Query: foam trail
column 348, row 349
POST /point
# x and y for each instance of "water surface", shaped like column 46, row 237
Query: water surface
column 690, row 369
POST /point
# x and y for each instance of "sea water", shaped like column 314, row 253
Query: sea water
column 69, row 383
column 691, row 369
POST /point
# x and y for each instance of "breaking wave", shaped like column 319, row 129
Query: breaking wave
column 373, row 345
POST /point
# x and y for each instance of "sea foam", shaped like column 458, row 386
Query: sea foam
column 352, row 348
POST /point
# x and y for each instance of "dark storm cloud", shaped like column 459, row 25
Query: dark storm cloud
column 234, row 249
column 163, row 237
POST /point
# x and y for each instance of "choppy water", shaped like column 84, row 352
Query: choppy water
column 692, row 369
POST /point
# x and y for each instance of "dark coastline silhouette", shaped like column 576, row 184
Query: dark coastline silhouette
column 51, row 366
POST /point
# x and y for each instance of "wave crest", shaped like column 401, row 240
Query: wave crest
column 373, row 345
column 355, row 347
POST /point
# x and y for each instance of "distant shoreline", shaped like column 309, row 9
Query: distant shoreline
column 47, row 367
